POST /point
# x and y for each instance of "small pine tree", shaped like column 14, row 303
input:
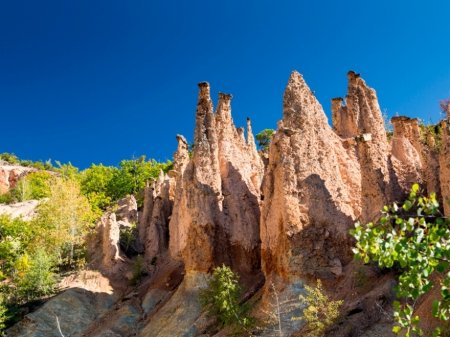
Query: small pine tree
column 320, row 312
column 222, row 300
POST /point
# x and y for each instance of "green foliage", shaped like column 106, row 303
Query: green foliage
column 15, row 236
column 34, row 275
column 414, row 238
column 139, row 270
column 221, row 299
column 96, row 185
column 3, row 314
column 6, row 198
column 320, row 312
column 35, row 185
column 264, row 138
column 66, row 218
column 103, row 185
column 431, row 135
column 128, row 236
column 133, row 175
column 10, row 158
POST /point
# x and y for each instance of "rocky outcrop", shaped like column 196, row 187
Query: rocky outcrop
column 286, row 223
column 10, row 175
column 311, row 178
column 415, row 155
column 406, row 151
column 360, row 119
column 216, row 212
column 89, row 297
column 444, row 161
column 154, row 225
column 25, row 210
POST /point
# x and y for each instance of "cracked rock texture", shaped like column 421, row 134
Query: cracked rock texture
column 216, row 208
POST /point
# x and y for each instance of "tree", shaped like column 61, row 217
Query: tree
column 320, row 312
column 133, row 175
column 95, row 182
column 264, row 138
column 35, row 185
column 414, row 239
column 65, row 218
column 34, row 276
column 222, row 300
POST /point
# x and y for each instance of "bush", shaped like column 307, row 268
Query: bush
column 321, row 313
column 139, row 270
column 65, row 218
column 264, row 138
column 3, row 315
column 35, row 185
column 10, row 158
column 34, row 276
column 221, row 299
column 413, row 238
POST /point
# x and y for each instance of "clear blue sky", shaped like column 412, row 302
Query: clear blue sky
column 100, row 81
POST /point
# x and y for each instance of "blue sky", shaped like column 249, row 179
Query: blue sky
column 100, row 81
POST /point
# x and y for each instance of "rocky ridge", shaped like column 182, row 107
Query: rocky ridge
column 278, row 227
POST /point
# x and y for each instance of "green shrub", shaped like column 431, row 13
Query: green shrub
column 15, row 236
column 3, row 314
column 10, row 158
column 6, row 198
column 221, row 299
column 413, row 238
column 264, row 138
column 34, row 276
column 139, row 270
column 320, row 313
column 35, row 185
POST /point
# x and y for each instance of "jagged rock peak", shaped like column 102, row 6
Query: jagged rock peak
column 359, row 113
column 223, row 112
column 301, row 109
column 204, row 115
column 250, row 137
column 181, row 156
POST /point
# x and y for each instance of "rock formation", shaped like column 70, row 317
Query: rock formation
column 289, row 220
column 216, row 212
column 444, row 161
column 360, row 120
column 154, row 224
column 25, row 210
column 10, row 175
column 311, row 178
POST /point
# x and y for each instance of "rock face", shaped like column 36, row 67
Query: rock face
column 444, row 161
column 104, row 246
column 216, row 212
column 288, row 221
column 154, row 225
column 360, row 119
column 311, row 178
column 10, row 175
column 88, row 298
column 25, row 210
column 415, row 155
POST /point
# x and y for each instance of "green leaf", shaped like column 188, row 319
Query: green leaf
column 396, row 329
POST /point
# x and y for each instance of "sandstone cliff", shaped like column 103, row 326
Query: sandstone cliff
column 216, row 211
column 10, row 175
column 278, row 226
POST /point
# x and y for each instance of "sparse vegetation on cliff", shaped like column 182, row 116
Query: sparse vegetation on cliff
column 263, row 138
column 320, row 312
column 413, row 238
column 222, row 298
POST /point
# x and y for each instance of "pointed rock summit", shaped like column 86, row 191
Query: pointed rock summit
column 216, row 211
